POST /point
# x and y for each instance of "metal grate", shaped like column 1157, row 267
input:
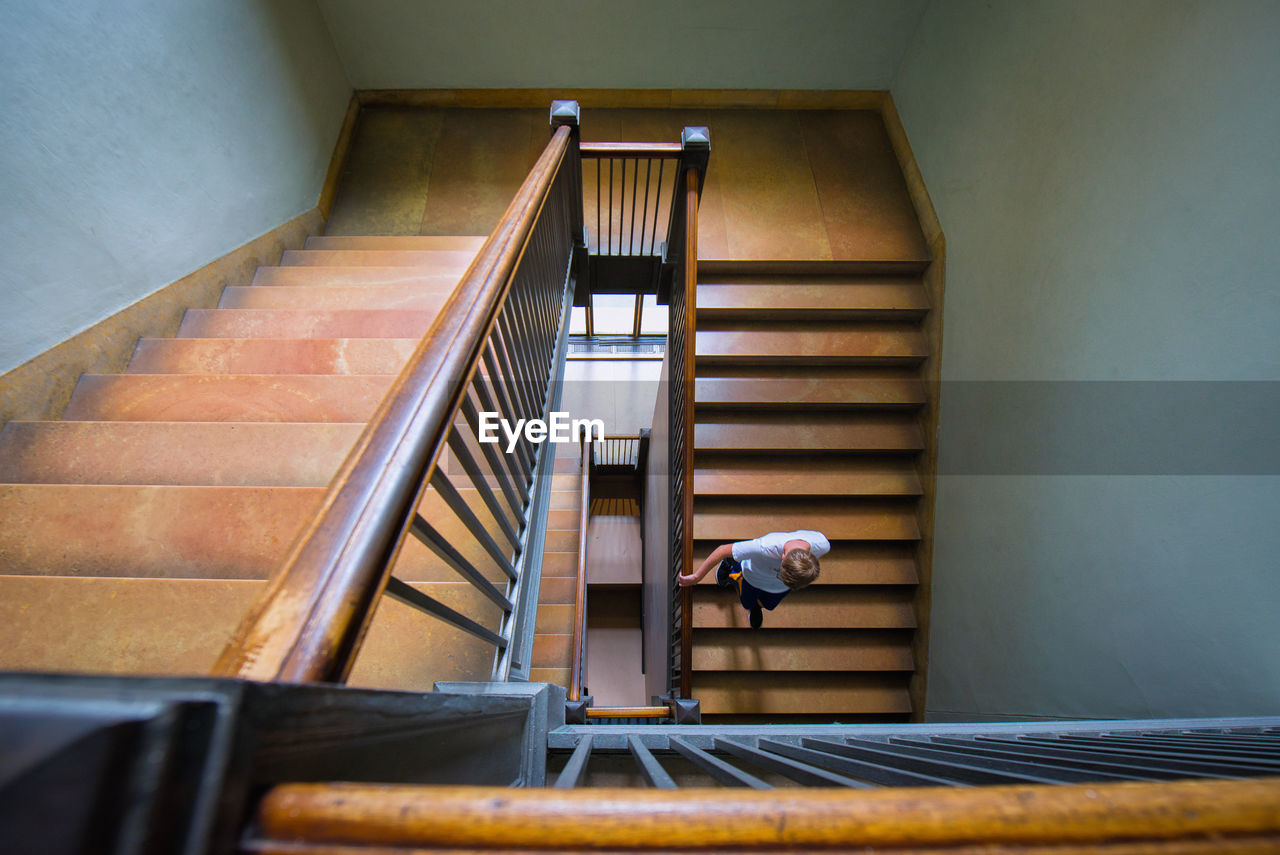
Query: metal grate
column 917, row 755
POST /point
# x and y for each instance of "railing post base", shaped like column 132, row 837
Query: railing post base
column 575, row 712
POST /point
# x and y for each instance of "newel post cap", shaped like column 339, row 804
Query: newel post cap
column 564, row 113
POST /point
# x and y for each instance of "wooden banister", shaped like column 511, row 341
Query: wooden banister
column 309, row 621
column 580, row 589
column 1170, row 817
column 692, row 187
column 657, row 150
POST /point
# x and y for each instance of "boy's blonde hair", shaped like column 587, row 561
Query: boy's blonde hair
column 799, row 568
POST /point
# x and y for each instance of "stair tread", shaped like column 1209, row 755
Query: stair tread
column 554, row 620
column 852, row 563
column 305, row 323
column 228, row 397
column 554, row 676
column 425, row 296
column 471, row 243
column 735, row 519
column 552, row 651
column 806, row 391
column 261, row 454
column 271, row 355
column 179, row 626
column 155, row 531
column 558, row 590
column 438, row 259
column 788, row 297
column 783, row 432
column 801, row 650
column 825, row 475
column 324, row 276
column 809, row 608
column 863, row 344
column 801, row 692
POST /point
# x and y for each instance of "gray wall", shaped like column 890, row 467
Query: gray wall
column 142, row 140
column 1107, row 176
column 707, row 44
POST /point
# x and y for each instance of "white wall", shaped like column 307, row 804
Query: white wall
column 1108, row 179
column 142, row 140
column 706, row 44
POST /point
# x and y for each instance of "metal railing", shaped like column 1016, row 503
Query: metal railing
column 495, row 349
column 680, row 376
column 629, row 190
column 621, row 451
column 578, row 665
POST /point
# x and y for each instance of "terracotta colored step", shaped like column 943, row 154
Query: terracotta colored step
column 810, row 298
column 850, row 563
column 798, row 432
column 437, row 259
column 810, row 608
column 555, row 620
column 215, row 454
column 559, row 564
column 552, row 651
column 228, row 397
column 801, row 650
column 119, row 626
column 323, row 297
column 562, row 541
column 737, row 519
column 554, row 676
column 804, row 390
column 466, row 243
column 427, row 278
column 557, row 590
column 304, row 323
column 567, row 481
column 563, row 519
column 813, row 343
column 179, row 626
column 169, row 532
column 565, row 500
column 271, row 355
column 783, row 693
column 818, row 475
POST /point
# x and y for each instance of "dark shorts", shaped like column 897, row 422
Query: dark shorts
column 749, row 594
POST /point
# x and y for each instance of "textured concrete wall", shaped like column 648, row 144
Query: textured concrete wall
column 708, row 44
column 141, row 141
column 1107, row 177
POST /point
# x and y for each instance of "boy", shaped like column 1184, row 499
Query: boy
column 766, row 569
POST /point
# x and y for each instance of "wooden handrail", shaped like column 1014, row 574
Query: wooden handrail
column 309, row 621
column 1173, row 817
column 656, row 150
column 580, row 590
column 692, row 186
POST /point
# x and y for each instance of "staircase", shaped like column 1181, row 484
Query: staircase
column 135, row 532
column 552, row 655
column 808, row 401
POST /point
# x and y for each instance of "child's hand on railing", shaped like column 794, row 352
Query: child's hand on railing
column 687, row 580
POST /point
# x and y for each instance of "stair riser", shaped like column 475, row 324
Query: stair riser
column 428, row 297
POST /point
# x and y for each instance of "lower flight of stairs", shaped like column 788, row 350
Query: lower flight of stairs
column 552, row 655
column 136, row 531
column 808, row 407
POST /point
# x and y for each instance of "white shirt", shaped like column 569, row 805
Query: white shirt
column 761, row 559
